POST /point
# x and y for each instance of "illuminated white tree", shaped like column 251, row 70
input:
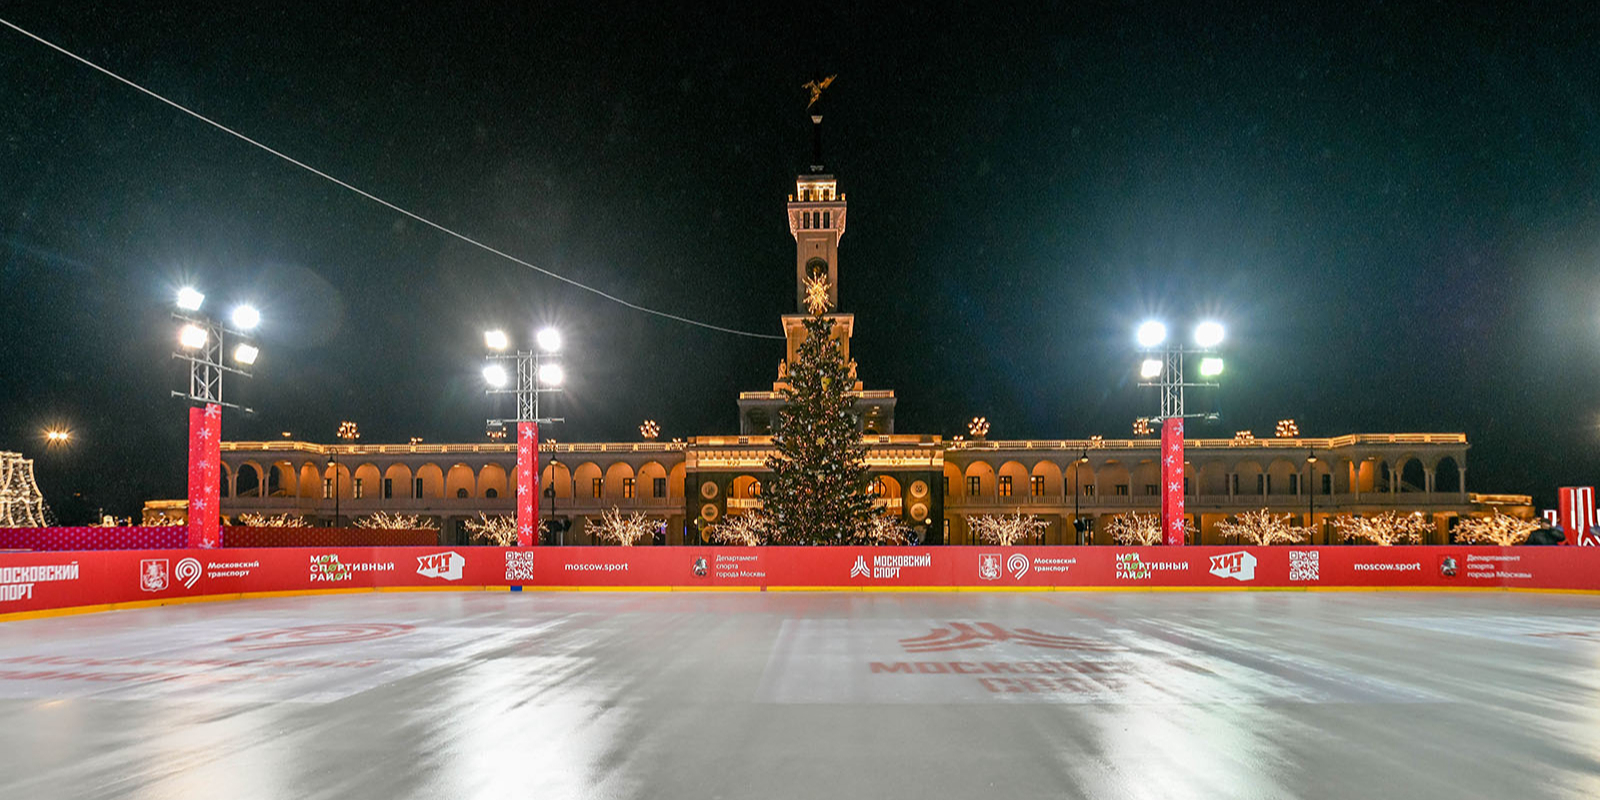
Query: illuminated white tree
column 1499, row 529
column 1005, row 531
column 1263, row 528
column 883, row 529
column 384, row 520
column 499, row 531
column 625, row 530
column 272, row 521
column 748, row 529
column 1143, row 530
column 1386, row 529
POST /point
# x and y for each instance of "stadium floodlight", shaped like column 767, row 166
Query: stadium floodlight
column 1210, row 367
column 495, row 375
column 193, row 336
column 246, row 317
column 1151, row 334
column 551, row 374
column 549, row 340
column 1150, row 368
column 246, row 354
column 1208, row 334
column 190, row 298
column 496, row 340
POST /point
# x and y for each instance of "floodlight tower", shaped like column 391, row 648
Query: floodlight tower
column 1162, row 366
column 537, row 372
column 201, row 343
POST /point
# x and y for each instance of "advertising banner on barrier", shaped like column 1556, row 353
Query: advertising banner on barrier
column 51, row 580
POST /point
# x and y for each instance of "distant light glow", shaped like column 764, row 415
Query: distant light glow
column 551, row 374
column 189, row 298
column 1151, row 334
column 246, row 317
column 1150, row 368
column 549, row 340
column 496, row 340
column 495, row 375
column 193, row 337
column 1210, row 367
column 1208, row 334
column 57, row 436
column 246, row 354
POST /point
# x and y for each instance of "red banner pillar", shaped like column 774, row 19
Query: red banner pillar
column 1172, row 482
column 1577, row 508
column 205, row 469
column 527, row 484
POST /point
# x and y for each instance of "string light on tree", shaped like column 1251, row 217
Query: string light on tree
column 1287, row 429
column 649, row 430
column 747, row 530
column 883, row 530
column 1500, row 529
column 1141, row 530
column 1386, row 529
column 272, row 520
column 498, row 531
column 1263, row 528
column 626, row 530
column 1004, row 530
column 386, row 521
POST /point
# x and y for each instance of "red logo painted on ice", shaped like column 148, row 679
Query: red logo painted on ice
column 967, row 636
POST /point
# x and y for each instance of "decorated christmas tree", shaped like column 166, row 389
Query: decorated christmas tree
column 818, row 490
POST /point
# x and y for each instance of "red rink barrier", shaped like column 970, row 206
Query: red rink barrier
column 161, row 537
column 40, row 582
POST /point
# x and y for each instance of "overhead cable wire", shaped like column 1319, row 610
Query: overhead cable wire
column 380, row 201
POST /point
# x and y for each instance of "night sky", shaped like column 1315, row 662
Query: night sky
column 1393, row 208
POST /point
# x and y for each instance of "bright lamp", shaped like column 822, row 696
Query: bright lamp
column 246, row 317
column 246, row 354
column 549, row 340
column 495, row 375
column 1151, row 334
column 496, row 340
column 193, row 337
column 551, row 374
column 1211, row 367
column 189, row 298
column 1208, row 334
column 1150, row 368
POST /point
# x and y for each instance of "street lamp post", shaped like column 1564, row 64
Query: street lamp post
column 1163, row 366
column 1311, row 494
column 1077, row 490
column 201, row 343
column 537, row 372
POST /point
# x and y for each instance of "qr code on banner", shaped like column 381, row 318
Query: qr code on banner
column 1303, row 565
column 519, row 565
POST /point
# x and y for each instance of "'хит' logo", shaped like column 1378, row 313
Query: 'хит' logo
column 1240, row 566
column 441, row 565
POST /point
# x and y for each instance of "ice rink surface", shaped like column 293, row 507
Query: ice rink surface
column 1103, row 695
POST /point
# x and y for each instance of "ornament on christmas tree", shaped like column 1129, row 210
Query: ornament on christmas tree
column 817, row 294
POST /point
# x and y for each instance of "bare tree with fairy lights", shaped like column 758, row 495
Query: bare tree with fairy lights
column 1263, row 528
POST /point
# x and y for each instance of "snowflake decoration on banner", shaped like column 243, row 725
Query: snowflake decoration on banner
column 1264, row 528
column 1006, row 531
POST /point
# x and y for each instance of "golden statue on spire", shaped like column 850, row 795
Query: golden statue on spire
column 816, row 87
column 817, row 294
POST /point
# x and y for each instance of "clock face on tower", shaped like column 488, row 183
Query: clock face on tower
column 816, row 268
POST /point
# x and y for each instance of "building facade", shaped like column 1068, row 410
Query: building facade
column 933, row 485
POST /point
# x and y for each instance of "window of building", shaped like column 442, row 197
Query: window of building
column 1294, row 484
column 1005, row 485
column 355, row 489
column 627, row 488
column 1186, row 489
column 1327, row 484
column 490, row 493
column 461, row 494
column 827, row 219
column 550, row 492
column 1261, row 484
column 658, row 487
column 947, row 485
column 1268, row 483
column 1038, row 485
column 598, row 484
column 1088, row 490
column 973, row 486
column 1122, row 490
column 1233, row 483
column 327, row 488
column 1150, row 490
column 388, row 488
column 416, row 487
column 755, row 488
column 805, row 220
